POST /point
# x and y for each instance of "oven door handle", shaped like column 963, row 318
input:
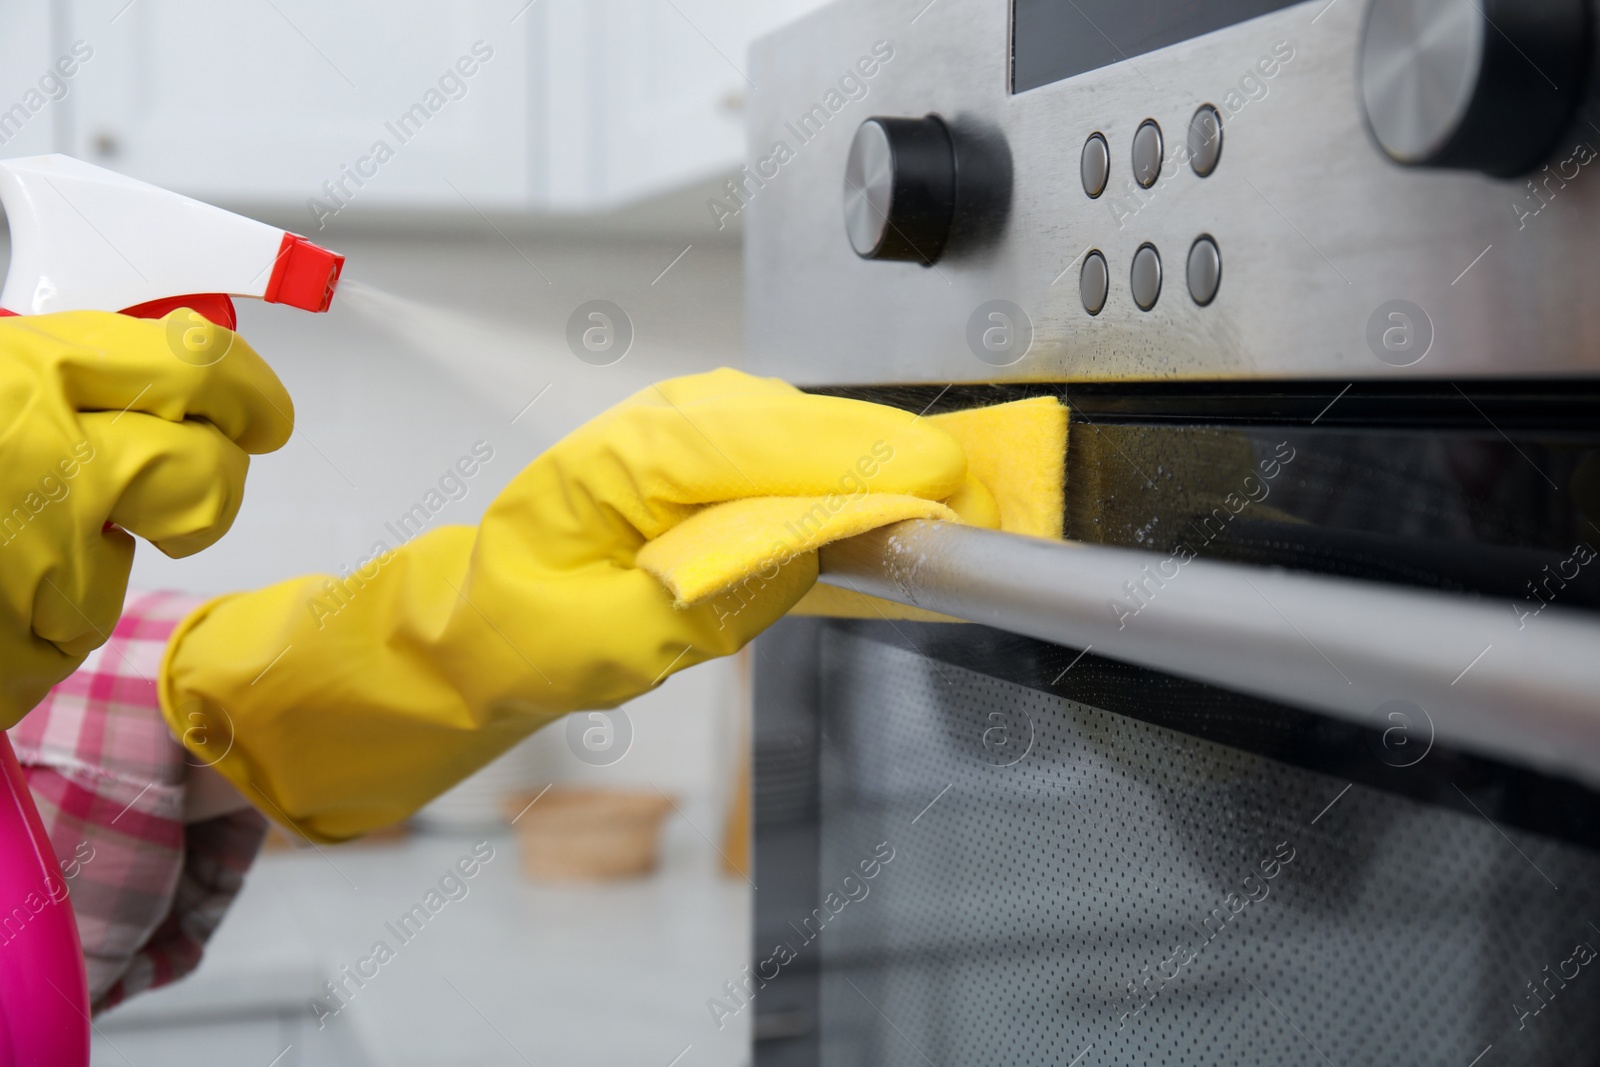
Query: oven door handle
column 1490, row 677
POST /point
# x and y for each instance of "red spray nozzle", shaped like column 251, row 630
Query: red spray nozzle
column 304, row 275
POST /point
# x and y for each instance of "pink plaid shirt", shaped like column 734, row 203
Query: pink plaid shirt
column 148, row 890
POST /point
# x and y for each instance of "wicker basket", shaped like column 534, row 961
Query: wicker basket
column 588, row 835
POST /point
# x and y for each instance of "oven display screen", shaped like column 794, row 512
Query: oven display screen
column 1056, row 39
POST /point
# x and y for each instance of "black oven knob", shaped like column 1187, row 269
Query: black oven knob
column 1487, row 85
column 900, row 189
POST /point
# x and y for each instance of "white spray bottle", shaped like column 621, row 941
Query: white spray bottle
column 86, row 238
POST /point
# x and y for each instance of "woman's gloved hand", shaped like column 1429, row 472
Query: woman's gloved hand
column 110, row 419
column 342, row 705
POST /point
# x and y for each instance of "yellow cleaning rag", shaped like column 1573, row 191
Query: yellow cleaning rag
column 1016, row 472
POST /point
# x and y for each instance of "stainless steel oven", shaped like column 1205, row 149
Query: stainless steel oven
column 1291, row 752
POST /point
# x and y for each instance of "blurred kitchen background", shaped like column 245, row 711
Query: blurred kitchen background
column 535, row 156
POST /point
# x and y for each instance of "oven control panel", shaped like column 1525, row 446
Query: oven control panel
column 1231, row 189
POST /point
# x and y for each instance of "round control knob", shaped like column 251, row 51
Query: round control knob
column 900, row 189
column 1487, row 85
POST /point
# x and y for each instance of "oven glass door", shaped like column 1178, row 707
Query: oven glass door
column 975, row 848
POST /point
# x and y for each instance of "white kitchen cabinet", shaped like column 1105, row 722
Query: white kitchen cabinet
column 35, row 98
column 363, row 105
column 282, row 102
column 646, row 95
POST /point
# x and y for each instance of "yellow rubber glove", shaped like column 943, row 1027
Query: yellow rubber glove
column 338, row 706
column 105, row 418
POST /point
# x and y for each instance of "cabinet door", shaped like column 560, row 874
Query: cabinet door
column 35, row 97
column 643, row 96
column 369, row 104
column 399, row 103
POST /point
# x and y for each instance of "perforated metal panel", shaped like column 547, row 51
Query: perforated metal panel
column 1060, row 887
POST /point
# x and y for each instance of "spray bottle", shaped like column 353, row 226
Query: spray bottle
column 85, row 238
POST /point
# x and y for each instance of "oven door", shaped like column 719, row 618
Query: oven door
column 979, row 848
column 1258, row 815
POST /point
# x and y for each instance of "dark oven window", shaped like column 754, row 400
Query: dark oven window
column 974, row 848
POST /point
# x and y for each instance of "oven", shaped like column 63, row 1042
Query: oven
column 1290, row 753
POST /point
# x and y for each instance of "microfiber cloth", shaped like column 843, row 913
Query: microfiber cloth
column 1016, row 470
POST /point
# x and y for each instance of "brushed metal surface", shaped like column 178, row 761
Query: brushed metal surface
column 868, row 187
column 1320, row 230
column 1419, row 67
column 1326, row 644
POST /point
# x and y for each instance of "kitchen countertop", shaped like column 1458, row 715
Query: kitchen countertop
column 509, row 973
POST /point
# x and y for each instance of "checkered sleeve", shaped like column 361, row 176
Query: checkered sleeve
column 109, row 779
